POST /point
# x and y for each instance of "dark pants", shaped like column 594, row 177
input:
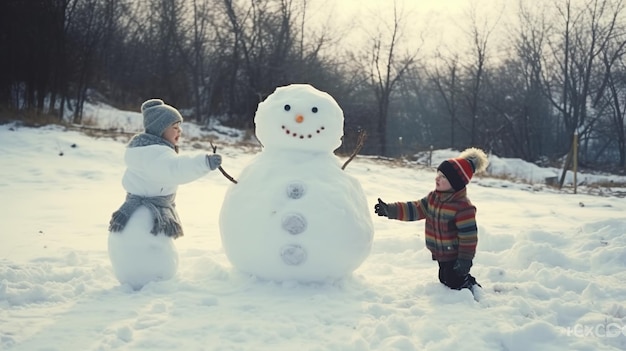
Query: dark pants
column 451, row 279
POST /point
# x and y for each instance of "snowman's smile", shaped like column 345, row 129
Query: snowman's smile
column 294, row 134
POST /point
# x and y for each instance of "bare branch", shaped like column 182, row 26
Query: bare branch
column 220, row 167
column 359, row 146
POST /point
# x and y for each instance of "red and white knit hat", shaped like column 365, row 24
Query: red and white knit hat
column 459, row 171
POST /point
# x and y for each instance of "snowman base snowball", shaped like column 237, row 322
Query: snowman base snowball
column 139, row 257
column 294, row 213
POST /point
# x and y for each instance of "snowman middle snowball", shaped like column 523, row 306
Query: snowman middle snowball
column 294, row 213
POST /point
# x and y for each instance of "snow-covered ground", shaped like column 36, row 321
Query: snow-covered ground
column 552, row 263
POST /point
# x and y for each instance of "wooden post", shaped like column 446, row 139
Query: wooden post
column 575, row 159
column 430, row 156
column 568, row 159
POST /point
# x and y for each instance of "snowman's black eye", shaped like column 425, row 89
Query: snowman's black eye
column 287, row 107
column 314, row 109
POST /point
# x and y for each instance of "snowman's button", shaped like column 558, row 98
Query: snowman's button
column 295, row 190
column 294, row 223
column 293, row 255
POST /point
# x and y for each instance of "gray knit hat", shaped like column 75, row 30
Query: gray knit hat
column 157, row 116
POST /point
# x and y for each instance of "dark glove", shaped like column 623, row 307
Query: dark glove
column 381, row 208
column 213, row 161
column 462, row 266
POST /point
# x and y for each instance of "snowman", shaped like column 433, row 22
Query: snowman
column 294, row 213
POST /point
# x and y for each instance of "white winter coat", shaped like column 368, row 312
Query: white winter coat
column 157, row 170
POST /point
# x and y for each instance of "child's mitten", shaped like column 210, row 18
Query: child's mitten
column 213, row 161
column 381, row 208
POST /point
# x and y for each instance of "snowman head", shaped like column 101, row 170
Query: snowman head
column 299, row 117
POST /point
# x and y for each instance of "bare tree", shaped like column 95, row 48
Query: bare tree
column 386, row 68
column 479, row 35
column 90, row 35
column 200, row 51
column 33, row 51
column 445, row 76
column 264, row 38
column 615, row 82
column 525, row 123
column 576, row 53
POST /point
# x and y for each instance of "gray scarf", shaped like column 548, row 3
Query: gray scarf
column 145, row 139
column 162, row 208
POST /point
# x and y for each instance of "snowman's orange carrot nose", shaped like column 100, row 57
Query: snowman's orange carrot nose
column 299, row 119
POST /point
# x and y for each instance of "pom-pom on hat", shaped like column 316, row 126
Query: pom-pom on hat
column 459, row 171
column 157, row 116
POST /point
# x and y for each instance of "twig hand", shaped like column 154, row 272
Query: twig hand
column 220, row 167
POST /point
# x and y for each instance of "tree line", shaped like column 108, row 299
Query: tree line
column 518, row 88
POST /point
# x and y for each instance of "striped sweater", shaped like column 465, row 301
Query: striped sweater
column 450, row 229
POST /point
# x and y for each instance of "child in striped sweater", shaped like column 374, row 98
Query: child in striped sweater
column 450, row 231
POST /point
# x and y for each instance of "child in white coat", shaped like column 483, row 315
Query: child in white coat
column 142, row 230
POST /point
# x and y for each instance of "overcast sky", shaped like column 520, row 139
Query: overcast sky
column 437, row 21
